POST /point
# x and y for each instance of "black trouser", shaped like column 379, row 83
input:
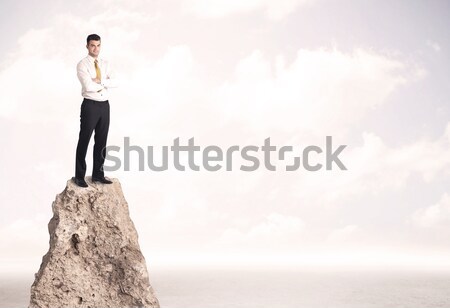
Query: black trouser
column 94, row 115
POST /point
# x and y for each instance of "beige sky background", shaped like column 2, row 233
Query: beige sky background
column 372, row 74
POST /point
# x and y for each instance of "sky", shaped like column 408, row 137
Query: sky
column 372, row 74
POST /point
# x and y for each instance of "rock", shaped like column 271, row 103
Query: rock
column 94, row 258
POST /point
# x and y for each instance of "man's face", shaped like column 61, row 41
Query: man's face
column 93, row 48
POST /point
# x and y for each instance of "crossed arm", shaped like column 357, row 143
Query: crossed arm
column 95, row 84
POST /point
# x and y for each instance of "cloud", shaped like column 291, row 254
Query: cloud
column 319, row 91
column 375, row 168
column 434, row 216
column 435, row 46
column 275, row 229
column 342, row 234
column 274, row 10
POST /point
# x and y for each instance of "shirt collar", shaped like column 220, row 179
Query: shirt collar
column 92, row 59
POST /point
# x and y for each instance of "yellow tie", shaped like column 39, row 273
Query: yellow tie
column 97, row 70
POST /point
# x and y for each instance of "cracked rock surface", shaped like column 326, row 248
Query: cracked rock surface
column 94, row 258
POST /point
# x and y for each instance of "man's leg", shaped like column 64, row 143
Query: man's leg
column 88, row 119
column 100, row 137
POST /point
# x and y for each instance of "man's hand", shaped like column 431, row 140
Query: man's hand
column 96, row 80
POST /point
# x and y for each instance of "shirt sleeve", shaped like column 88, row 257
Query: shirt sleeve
column 110, row 80
column 86, row 80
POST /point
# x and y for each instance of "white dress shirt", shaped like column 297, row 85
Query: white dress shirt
column 89, row 88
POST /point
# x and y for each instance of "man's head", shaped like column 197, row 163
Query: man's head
column 93, row 45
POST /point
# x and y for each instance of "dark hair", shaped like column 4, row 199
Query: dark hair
column 92, row 37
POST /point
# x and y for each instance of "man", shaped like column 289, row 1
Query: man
column 96, row 78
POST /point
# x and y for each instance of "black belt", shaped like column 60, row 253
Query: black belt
column 94, row 101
